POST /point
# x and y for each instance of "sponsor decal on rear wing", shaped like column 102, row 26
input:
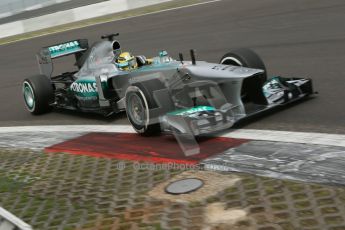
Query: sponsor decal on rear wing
column 67, row 48
column 47, row 54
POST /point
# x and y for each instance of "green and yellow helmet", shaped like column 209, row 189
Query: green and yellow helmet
column 126, row 61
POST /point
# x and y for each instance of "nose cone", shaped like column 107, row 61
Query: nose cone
column 219, row 71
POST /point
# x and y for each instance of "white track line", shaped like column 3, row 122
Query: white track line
column 166, row 10
column 141, row 15
column 12, row 221
column 291, row 137
column 68, row 128
column 252, row 134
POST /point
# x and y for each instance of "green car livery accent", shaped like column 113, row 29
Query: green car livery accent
column 65, row 49
column 190, row 111
column 86, row 87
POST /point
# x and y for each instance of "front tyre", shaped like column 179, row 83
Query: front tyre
column 38, row 94
column 251, row 87
column 246, row 58
column 138, row 112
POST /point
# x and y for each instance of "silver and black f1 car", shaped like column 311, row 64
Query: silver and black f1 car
column 163, row 94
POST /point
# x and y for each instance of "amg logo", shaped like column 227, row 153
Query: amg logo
column 84, row 87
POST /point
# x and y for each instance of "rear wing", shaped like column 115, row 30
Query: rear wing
column 47, row 54
column 67, row 48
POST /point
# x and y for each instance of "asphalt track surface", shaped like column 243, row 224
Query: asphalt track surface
column 294, row 38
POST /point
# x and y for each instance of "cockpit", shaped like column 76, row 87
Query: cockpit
column 106, row 57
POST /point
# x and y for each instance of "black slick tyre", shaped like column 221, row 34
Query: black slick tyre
column 38, row 94
column 138, row 106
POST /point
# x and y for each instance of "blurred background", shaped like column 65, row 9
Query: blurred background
column 10, row 7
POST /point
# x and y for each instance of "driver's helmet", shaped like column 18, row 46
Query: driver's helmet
column 126, row 61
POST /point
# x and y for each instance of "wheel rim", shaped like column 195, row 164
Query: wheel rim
column 29, row 96
column 136, row 109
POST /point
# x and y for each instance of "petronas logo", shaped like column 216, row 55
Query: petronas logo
column 84, row 87
column 64, row 48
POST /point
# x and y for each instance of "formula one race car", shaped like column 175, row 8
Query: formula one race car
column 159, row 94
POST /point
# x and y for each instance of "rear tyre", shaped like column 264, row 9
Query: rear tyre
column 246, row 58
column 38, row 94
column 138, row 106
